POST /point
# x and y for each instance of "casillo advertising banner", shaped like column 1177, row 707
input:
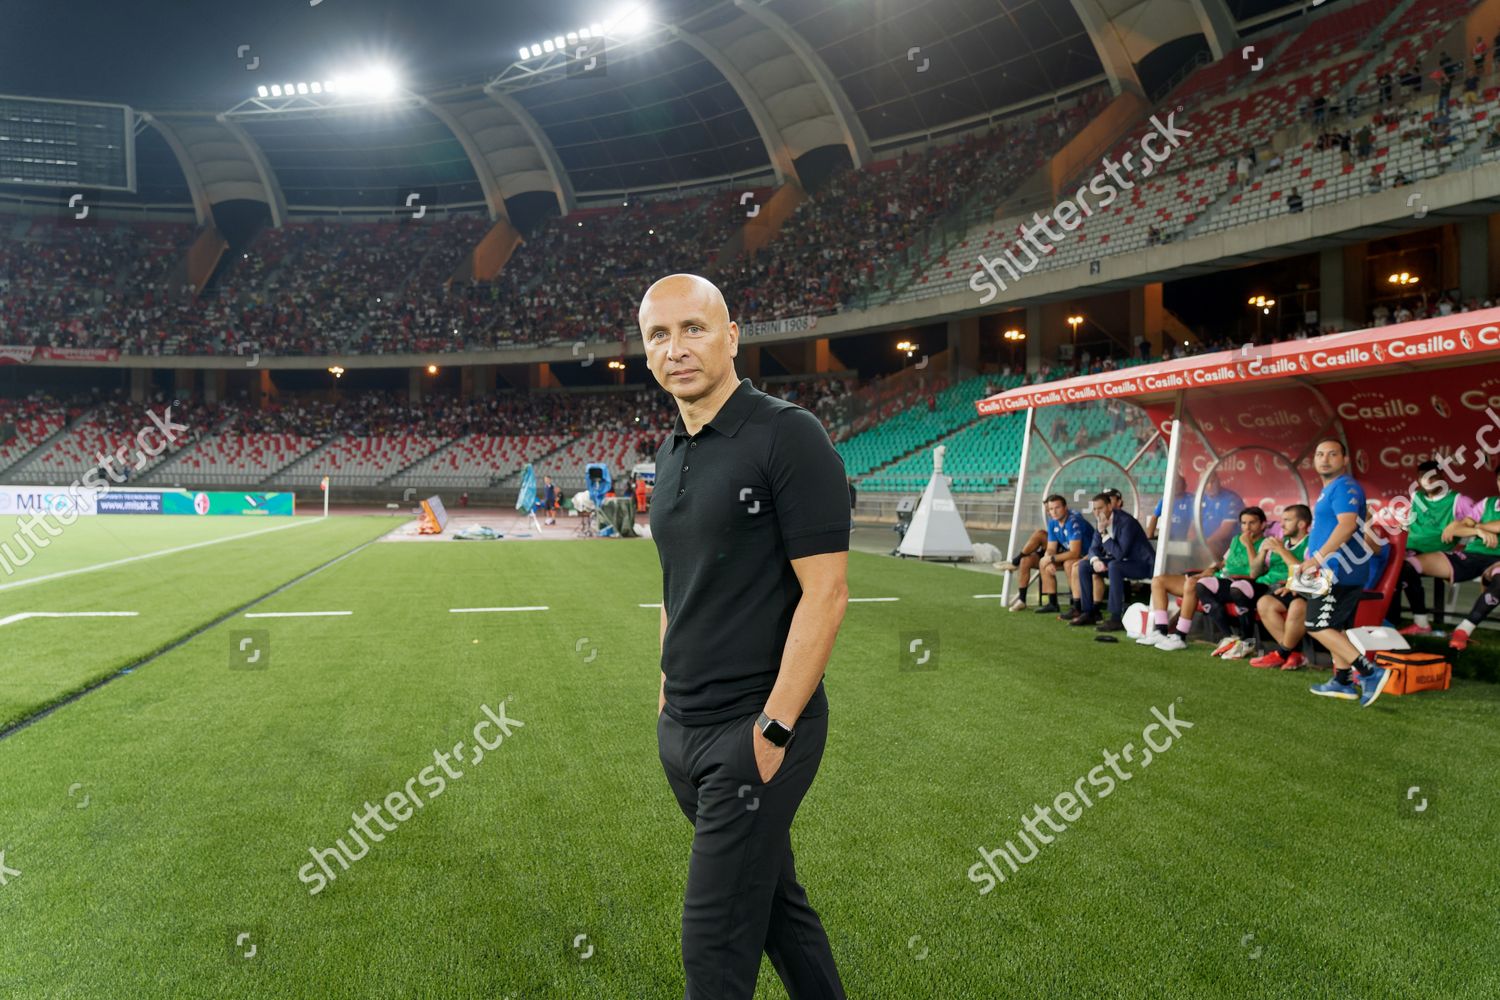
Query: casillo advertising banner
column 22, row 355
column 1392, row 423
column 1463, row 336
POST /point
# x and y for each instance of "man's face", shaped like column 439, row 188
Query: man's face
column 1251, row 526
column 1212, row 487
column 1057, row 510
column 1102, row 511
column 690, row 340
column 1329, row 459
column 1291, row 525
column 1431, row 482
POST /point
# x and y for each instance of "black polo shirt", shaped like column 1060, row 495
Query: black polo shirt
column 758, row 486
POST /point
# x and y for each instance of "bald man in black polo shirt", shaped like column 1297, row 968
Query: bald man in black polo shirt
column 751, row 522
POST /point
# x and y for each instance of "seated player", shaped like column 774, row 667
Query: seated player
column 1282, row 612
column 1333, row 549
column 1067, row 538
column 1227, row 581
column 1439, row 522
column 1482, row 548
column 1219, row 517
column 1121, row 553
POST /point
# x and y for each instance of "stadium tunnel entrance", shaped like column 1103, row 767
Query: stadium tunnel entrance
column 1195, row 440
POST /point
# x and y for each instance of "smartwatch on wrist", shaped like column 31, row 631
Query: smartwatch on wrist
column 775, row 732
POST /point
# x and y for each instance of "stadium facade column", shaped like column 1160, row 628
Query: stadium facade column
column 1474, row 258
column 1492, row 257
column 1356, row 294
column 1035, row 335
column 414, row 385
column 1331, row 285
column 963, row 346
column 1147, row 318
column 747, row 362
column 182, row 381
column 215, row 384
column 139, row 377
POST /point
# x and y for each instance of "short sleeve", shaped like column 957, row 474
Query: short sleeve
column 1464, row 507
column 1156, row 511
column 809, row 487
column 1348, row 499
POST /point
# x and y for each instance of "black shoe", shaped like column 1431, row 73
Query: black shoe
column 1071, row 616
column 1112, row 624
column 1087, row 618
column 1048, row 609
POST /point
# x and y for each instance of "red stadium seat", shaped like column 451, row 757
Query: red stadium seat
column 1377, row 600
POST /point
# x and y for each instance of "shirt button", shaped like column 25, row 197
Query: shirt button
column 684, row 468
column 693, row 445
column 681, row 492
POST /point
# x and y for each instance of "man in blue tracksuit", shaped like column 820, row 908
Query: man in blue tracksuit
column 1120, row 552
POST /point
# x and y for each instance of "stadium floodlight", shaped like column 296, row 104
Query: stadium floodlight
column 597, row 30
column 547, row 46
column 572, row 38
column 317, row 88
column 585, row 33
column 1075, row 322
column 536, row 50
column 432, row 369
column 630, row 19
column 301, row 88
column 1014, row 334
column 1263, row 304
column 1404, row 278
column 331, row 86
column 275, row 90
column 289, row 89
column 525, row 53
column 908, row 347
column 560, row 43
column 337, row 371
column 262, row 91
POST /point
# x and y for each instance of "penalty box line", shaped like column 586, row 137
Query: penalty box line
column 134, row 665
column 151, row 555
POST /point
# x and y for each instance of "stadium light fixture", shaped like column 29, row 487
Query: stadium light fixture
column 337, row 371
column 547, row 46
column 525, row 53
column 1263, row 304
column 908, row 347
column 262, row 91
column 1014, row 334
column 619, row 365
column 1404, row 278
column 1075, row 322
column 275, row 90
column 432, row 369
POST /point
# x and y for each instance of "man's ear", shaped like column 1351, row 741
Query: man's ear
column 734, row 339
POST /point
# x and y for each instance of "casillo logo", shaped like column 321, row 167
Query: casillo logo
column 1362, row 461
column 1393, row 412
column 1409, row 452
column 1440, row 407
column 1431, row 346
column 1479, row 400
column 1256, row 418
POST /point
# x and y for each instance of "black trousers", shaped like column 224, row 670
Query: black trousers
column 742, row 893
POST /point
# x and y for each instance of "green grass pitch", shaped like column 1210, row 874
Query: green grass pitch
column 153, row 828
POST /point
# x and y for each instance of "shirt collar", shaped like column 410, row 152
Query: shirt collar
column 731, row 416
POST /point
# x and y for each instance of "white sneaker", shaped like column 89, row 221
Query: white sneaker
column 1018, row 604
column 1239, row 650
column 1225, row 645
column 1171, row 643
column 1151, row 638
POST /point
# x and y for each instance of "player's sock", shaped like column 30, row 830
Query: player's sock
column 1363, row 665
column 1466, row 627
column 1184, row 624
column 1344, row 675
column 1159, row 621
column 1422, row 621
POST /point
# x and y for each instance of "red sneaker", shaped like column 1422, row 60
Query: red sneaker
column 1459, row 641
column 1270, row 661
column 1414, row 629
column 1294, row 662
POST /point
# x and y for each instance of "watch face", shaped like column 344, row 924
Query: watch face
column 776, row 733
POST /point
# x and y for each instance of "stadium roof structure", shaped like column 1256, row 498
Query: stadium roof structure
column 701, row 92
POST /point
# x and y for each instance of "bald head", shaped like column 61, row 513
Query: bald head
column 687, row 289
column 690, row 340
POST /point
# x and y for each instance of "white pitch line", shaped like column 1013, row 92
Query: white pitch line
column 67, row 614
column 151, row 555
column 649, row 605
column 295, row 614
column 471, row 611
column 989, row 595
column 854, row 600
